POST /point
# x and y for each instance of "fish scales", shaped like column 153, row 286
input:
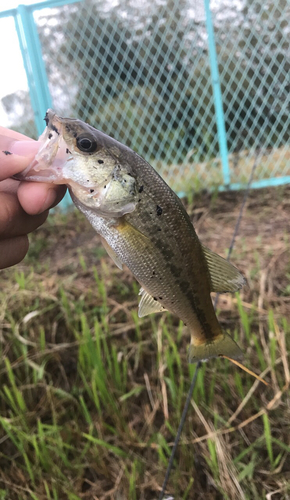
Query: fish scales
column 181, row 263
column 175, row 256
column 143, row 225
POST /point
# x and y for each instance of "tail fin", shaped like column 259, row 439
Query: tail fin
column 221, row 345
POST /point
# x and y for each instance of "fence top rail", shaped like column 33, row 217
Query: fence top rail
column 8, row 13
column 37, row 6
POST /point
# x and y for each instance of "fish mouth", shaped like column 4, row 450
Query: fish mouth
column 53, row 153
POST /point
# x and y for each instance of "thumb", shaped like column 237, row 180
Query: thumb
column 15, row 156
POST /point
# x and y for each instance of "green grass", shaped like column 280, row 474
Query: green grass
column 91, row 395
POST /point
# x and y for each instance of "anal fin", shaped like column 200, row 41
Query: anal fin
column 148, row 304
column 223, row 275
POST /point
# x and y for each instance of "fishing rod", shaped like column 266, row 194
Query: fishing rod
column 194, row 379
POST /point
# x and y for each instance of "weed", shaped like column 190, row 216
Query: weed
column 91, row 395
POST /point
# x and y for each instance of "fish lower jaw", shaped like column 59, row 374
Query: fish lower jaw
column 40, row 175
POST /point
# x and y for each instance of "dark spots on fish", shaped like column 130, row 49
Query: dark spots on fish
column 75, row 135
column 155, row 298
column 169, row 254
column 116, row 173
column 160, row 298
column 158, row 210
column 50, row 135
column 175, row 270
column 129, row 173
column 92, row 190
column 68, row 151
column 184, row 286
column 46, row 119
column 153, row 272
column 139, row 200
column 166, row 250
column 53, row 127
column 203, row 319
column 7, row 153
column 162, row 245
column 67, row 127
column 141, row 189
column 100, row 162
column 105, row 187
column 159, row 229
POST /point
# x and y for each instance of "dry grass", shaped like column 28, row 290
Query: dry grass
column 270, row 163
column 91, row 397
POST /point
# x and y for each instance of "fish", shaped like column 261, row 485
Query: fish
column 143, row 225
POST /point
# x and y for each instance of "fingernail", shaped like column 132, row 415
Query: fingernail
column 24, row 148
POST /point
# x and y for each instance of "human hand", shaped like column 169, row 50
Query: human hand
column 23, row 205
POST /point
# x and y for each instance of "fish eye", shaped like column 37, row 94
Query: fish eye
column 86, row 144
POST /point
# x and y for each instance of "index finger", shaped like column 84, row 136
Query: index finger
column 15, row 156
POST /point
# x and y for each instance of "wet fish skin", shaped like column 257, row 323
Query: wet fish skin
column 144, row 225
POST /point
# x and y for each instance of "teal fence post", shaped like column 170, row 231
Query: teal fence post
column 222, row 137
column 33, row 63
column 32, row 56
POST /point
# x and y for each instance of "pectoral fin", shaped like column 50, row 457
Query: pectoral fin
column 112, row 254
column 224, row 276
column 148, row 304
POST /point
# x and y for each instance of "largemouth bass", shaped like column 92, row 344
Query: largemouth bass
column 143, row 224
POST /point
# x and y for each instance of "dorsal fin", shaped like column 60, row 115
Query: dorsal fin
column 224, row 276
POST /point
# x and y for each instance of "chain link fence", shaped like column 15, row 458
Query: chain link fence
column 140, row 72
